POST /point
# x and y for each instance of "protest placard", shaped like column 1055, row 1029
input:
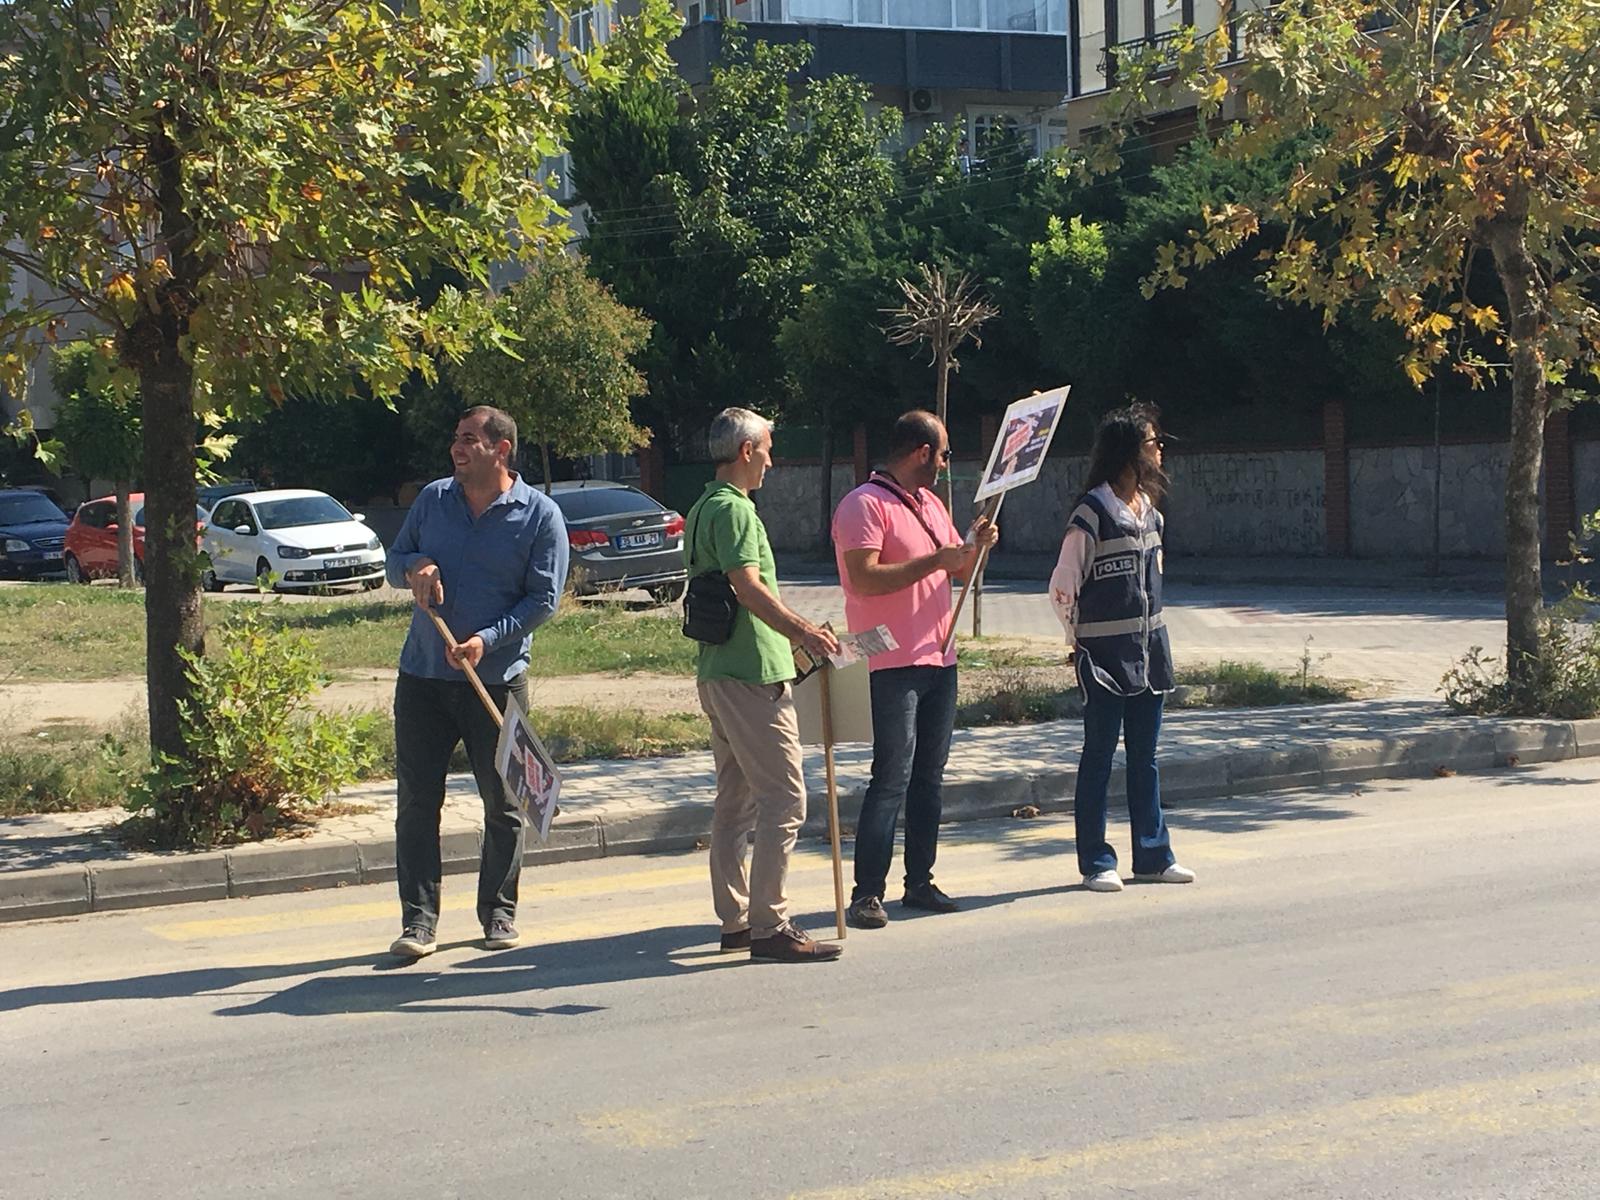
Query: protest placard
column 1024, row 438
column 530, row 774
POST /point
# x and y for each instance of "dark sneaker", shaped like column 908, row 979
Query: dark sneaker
column 414, row 942
column 929, row 898
column 739, row 940
column 792, row 944
column 501, row 935
column 867, row 913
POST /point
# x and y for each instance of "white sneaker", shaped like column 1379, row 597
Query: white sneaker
column 1173, row 874
column 1103, row 881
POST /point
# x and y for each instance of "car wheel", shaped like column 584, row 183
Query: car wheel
column 264, row 576
column 667, row 593
column 209, row 580
column 75, row 571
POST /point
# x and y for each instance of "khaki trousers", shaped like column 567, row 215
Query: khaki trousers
column 755, row 740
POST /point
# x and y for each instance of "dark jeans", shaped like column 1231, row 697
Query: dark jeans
column 1105, row 715
column 430, row 717
column 913, row 711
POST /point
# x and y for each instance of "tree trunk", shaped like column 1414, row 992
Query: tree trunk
column 825, row 512
column 544, row 463
column 173, row 617
column 1507, row 238
column 124, row 535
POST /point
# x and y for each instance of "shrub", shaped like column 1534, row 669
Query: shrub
column 1565, row 684
column 258, row 762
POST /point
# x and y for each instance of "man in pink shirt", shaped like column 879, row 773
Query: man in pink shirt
column 898, row 551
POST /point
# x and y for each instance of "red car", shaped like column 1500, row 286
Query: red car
column 91, row 547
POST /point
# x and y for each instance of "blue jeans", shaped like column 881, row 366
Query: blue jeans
column 1138, row 719
column 913, row 712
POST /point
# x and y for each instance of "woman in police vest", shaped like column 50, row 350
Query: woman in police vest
column 1106, row 590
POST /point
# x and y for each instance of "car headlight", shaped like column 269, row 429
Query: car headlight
column 293, row 552
column 376, row 543
column 16, row 546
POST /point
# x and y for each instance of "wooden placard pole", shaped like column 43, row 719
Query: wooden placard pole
column 833, row 796
column 472, row 674
column 992, row 511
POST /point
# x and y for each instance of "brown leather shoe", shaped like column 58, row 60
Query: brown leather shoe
column 792, row 944
column 736, row 941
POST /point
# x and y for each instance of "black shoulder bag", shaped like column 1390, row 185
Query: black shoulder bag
column 709, row 604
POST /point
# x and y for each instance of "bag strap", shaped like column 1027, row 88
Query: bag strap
column 899, row 493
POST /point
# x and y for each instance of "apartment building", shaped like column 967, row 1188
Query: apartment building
column 1041, row 67
column 979, row 63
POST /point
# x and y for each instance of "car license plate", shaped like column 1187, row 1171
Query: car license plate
column 638, row 541
column 349, row 560
column 52, row 556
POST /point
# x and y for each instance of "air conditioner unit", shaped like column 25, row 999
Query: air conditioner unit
column 924, row 101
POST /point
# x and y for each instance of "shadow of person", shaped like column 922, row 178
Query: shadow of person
column 531, row 971
column 175, row 984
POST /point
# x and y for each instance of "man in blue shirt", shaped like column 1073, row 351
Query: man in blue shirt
column 489, row 554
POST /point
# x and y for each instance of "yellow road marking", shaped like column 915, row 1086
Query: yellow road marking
column 1501, row 1107
column 455, row 899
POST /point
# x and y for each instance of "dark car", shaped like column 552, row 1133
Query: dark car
column 32, row 532
column 621, row 538
column 208, row 495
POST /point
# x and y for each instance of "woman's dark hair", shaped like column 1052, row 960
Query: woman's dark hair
column 1119, row 444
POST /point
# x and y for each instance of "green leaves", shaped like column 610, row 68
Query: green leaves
column 555, row 350
column 223, row 180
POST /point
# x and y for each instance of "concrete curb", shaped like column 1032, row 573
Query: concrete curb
column 324, row 861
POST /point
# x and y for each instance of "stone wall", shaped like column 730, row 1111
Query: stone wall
column 1391, row 501
column 1244, row 503
column 1253, row 504
column 791, row 507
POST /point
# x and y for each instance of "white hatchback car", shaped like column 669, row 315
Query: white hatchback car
column 293, row 538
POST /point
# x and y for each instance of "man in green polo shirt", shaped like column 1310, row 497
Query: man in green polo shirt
column 745, row 690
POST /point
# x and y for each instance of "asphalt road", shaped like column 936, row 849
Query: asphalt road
column 1380, row 992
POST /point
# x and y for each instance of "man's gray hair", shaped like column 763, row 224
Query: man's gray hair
column 731, row 429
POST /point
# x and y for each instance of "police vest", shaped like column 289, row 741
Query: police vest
column 1120, row 628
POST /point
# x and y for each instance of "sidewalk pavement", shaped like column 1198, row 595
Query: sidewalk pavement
column 1486, row 576
column 60, row 865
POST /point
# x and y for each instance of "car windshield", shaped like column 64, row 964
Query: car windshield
column 200, row 514
column 22, row 508
column 581, row 504
column 301, row 510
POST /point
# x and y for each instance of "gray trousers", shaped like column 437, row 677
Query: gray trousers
column 431, row 716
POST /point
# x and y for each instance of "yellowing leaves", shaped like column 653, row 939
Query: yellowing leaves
column 311, row 191
column 120, row 290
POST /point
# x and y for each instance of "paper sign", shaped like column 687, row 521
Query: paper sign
column 530, row 774
column 849, row 705
column 1019, row 449
column 853, row 647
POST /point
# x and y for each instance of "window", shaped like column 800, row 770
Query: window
column 986, row 127
column 580, row 504
column 95, row 516
column 301, row 510
column 22, row 508
column 138, row 515
column 228, row 514
column 831, row 12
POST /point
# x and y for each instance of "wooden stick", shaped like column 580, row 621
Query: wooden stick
column 833, row 796
column 993, row 514
column 483, row 692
